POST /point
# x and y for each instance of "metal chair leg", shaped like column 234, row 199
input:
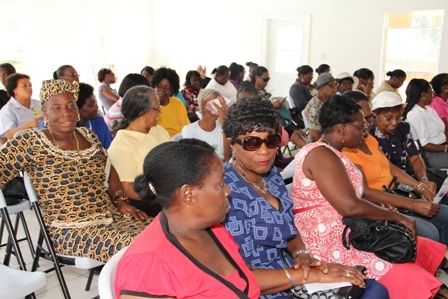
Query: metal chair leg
column 27, row 233
column 89, row 279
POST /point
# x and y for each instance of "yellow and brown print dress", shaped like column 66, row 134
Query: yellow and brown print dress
column 78, row 211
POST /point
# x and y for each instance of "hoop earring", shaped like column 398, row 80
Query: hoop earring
column 79, row 117
column 46, row 122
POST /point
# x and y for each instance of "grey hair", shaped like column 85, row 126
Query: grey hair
column 135, row 103
column 204, row 94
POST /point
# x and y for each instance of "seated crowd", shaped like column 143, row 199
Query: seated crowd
column 190, row 177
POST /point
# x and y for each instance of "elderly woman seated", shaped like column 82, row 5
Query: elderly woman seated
column 185, row 252
column 327, row 187
column 83, row 205
column 261, row 217
column 431, row 219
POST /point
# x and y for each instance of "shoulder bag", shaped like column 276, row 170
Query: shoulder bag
column 387, row 240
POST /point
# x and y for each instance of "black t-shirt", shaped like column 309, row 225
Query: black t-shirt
column 4, row 98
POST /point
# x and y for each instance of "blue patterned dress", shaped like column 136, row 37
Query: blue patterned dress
column 259, row 229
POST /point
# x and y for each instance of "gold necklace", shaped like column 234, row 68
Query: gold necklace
column 264, row 190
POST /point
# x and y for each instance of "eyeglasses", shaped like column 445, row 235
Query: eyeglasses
column 157, row 109
column 253, row 143
column 71, row 75
column 265, row 79
column 363, row 129
column 164, row 87
column 370, row 118
column 346, row 83
column 390, row 118
column 333, row 85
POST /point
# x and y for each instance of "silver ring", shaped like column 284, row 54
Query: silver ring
column 348, row 274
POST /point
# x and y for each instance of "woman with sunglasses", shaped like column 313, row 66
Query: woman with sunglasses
column 327, row 187
column 300, row 91
column 426, row 123
column 394, row 136
column 260, row 217
column 260, row 80
column 431, row 219
column 107, row 95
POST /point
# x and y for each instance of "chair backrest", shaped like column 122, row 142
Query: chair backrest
column 419, row 145
column 32, row 195
column 106, row 280
column 290, row 102
column 305, row 120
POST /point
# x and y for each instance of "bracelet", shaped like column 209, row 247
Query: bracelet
column 119, row 195
column 304, row 251
column 421, row 187
column 293, row 285
column 424, row 178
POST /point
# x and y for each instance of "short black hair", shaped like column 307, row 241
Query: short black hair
column 322, row 68
column 9, row 68
column 170, row 75
column 304, row 69
column 235, row 70
column 339, row 109
column 11, row 82
column 149, row 69
column 247, row 86
column 60, row 71
column 131, row 80
column 102, row 74
column 363, row 73
column 438, row 81
column 85, row 92
column 250, row 114
column 170, row 165
column 189, row 75
column 396, row 73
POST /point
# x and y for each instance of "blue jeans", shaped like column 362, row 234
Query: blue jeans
column 426, row 229
column 374, row 290
column 439, row 221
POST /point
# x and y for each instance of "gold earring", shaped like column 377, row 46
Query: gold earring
column 79, row 117
column 46, row 122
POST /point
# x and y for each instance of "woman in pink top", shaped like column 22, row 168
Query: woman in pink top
column 187, row 253
column 327, row 186
column 440, row 85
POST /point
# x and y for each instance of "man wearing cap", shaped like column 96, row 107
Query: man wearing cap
column 346, row 82
column 326, row 87
column 395, row 138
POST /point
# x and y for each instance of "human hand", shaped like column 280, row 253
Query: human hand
column 34, row 122
column 305, row 261
column 221, row 109
column 427, row 195
column 129, row 211
column 432, row 185
column 424, row 208
column 407, row 222
column 278, row 104
column 391, row 208
column 339, row 273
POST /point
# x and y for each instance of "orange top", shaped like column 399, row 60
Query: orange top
column 376, row 167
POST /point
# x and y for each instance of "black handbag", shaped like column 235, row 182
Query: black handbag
column 348, row 292
column 14, row 191
column 389, row 241
column 297, row 120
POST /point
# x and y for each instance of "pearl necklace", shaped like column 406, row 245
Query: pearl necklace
column 264, row 190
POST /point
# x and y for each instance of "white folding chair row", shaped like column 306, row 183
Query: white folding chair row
column 107, row 277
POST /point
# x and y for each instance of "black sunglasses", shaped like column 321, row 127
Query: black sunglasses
column 252, row 143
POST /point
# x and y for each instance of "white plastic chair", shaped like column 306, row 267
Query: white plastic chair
column 78, row 262
column 107, row 276
column 305, row 120
column 15, row 283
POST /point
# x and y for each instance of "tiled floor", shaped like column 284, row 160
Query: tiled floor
column 75, row 278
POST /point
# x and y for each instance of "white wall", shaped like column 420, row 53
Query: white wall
column 212, row 32
column 60, row 33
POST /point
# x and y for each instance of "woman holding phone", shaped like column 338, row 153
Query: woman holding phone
column 209, row 129
column 366, row 78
